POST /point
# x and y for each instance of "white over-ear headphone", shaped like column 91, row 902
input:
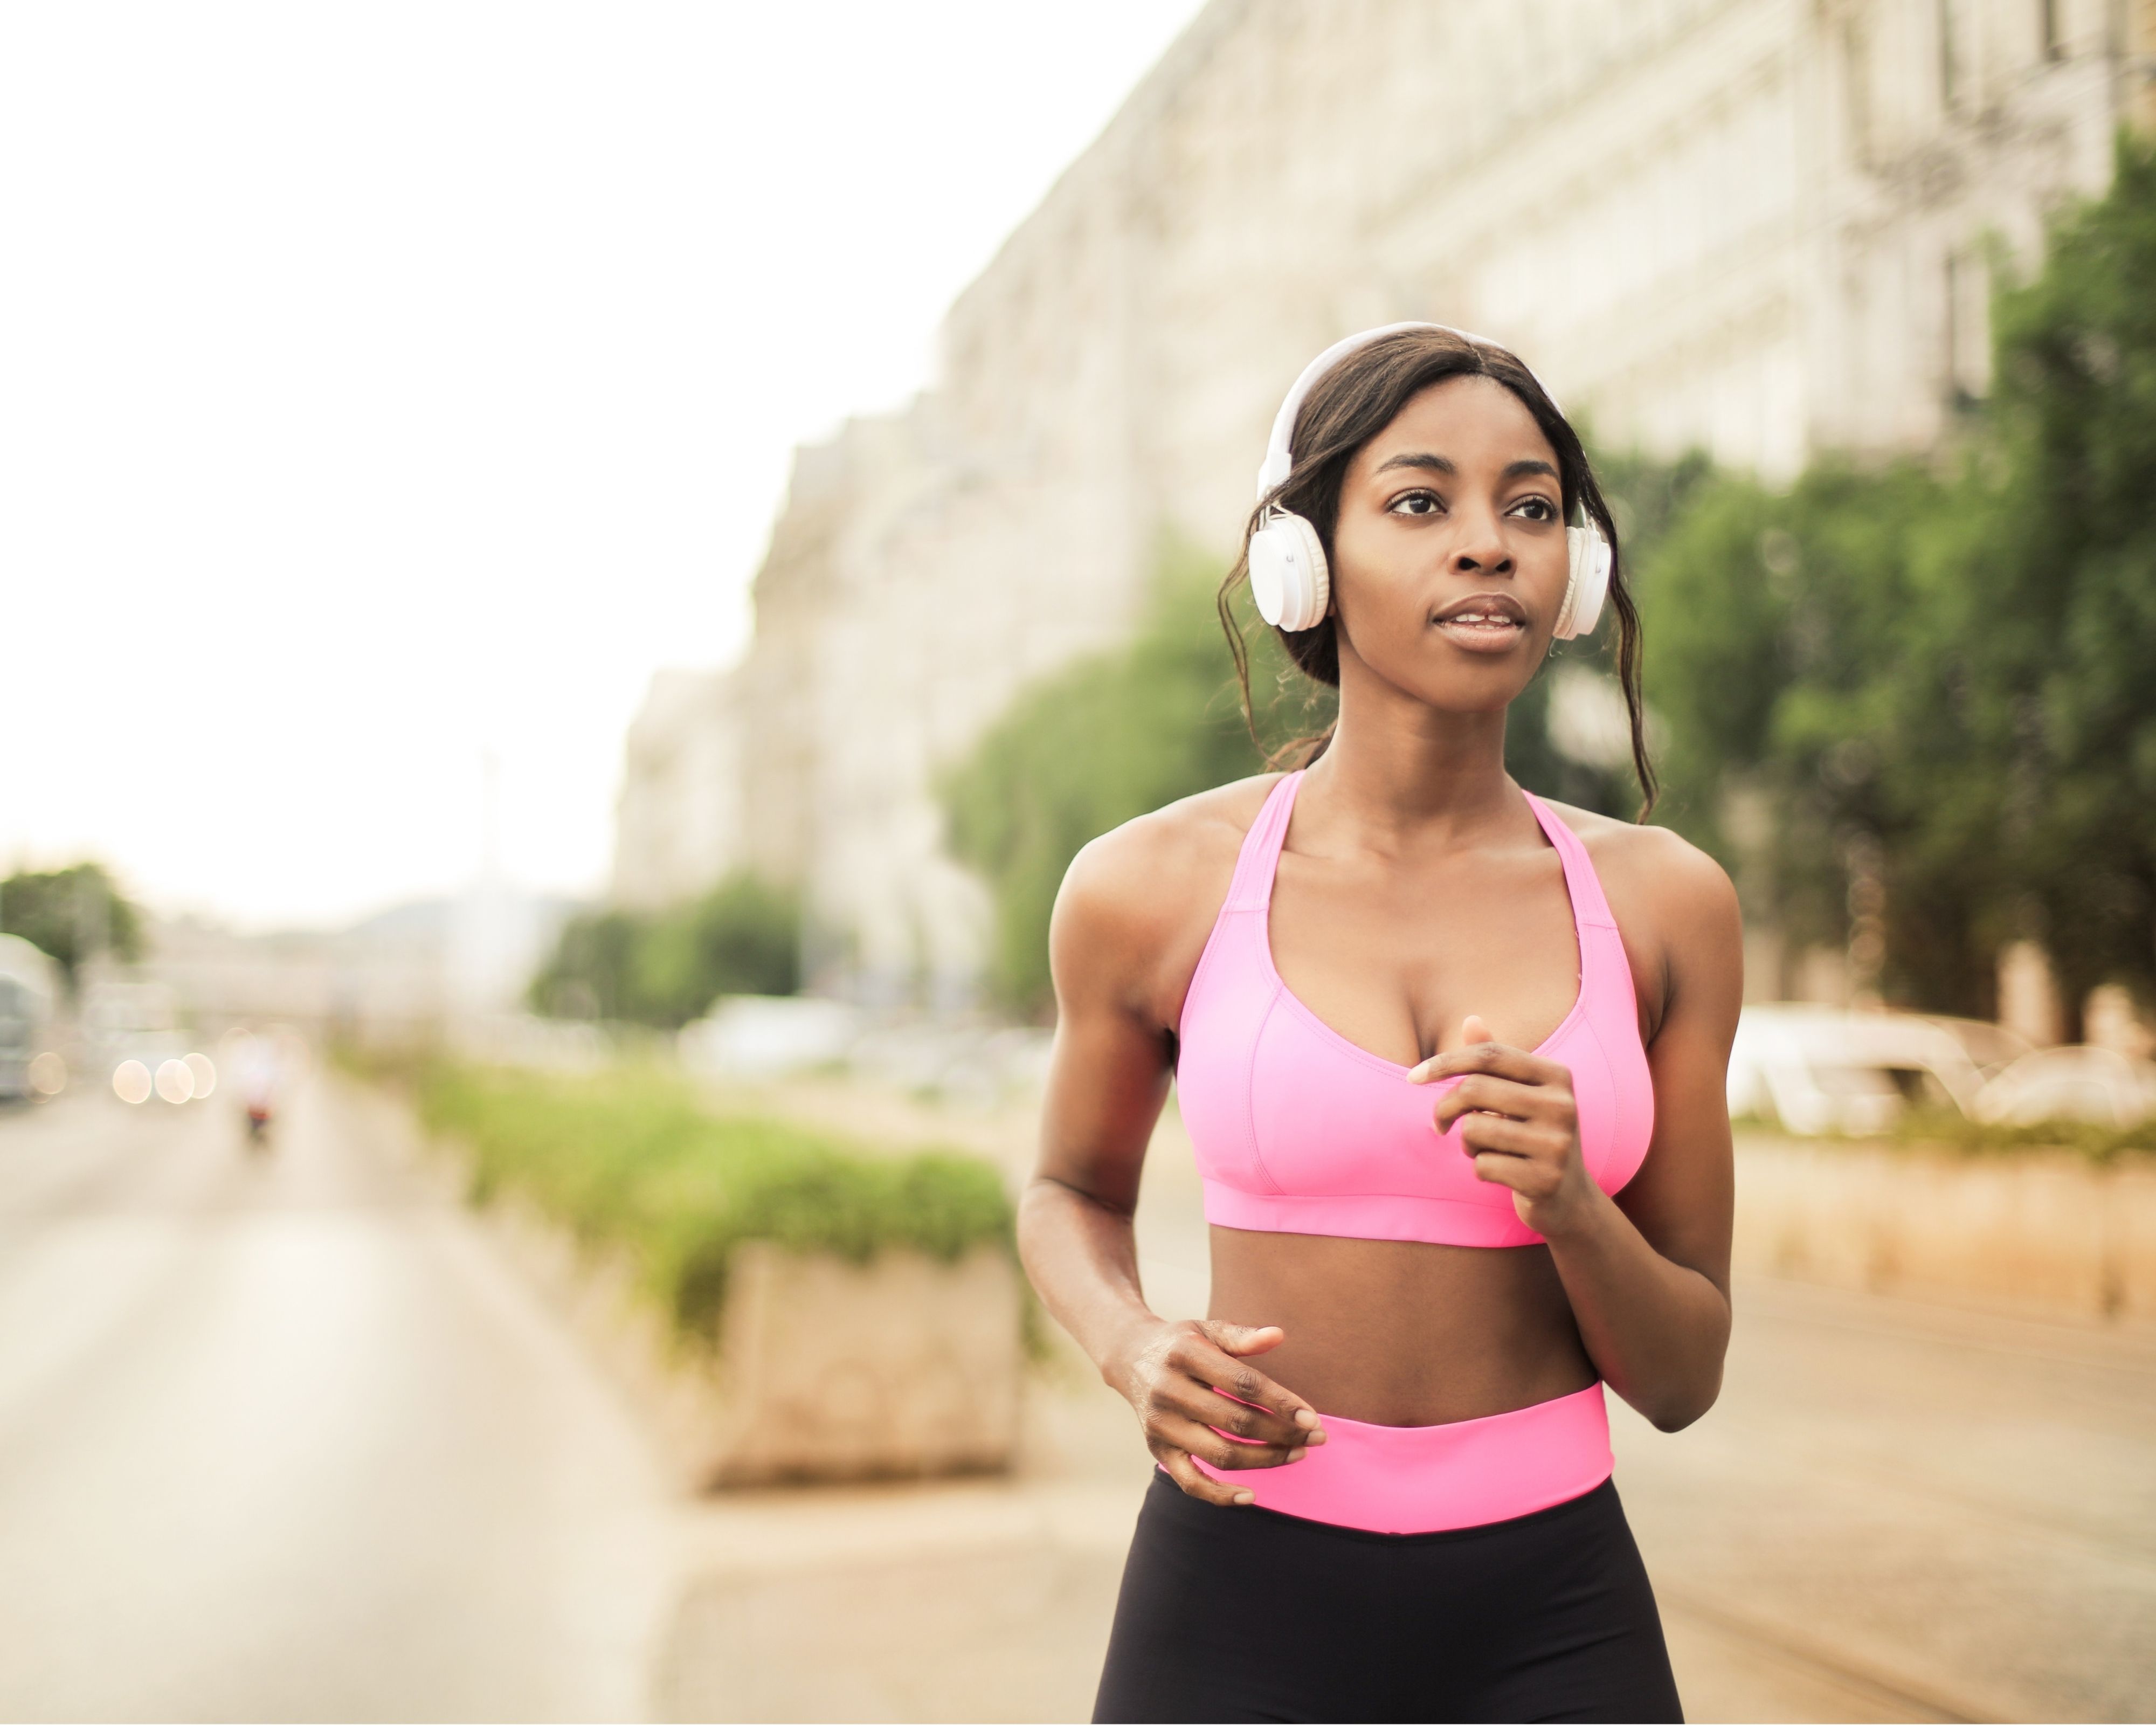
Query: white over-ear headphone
column 1288, row 576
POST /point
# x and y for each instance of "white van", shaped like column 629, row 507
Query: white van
column 2097, row 1085
column 1822, row 1068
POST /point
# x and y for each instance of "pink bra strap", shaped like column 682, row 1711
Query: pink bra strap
column 1589, row 906
column 1252, row 888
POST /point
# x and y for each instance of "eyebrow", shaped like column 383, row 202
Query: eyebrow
column 1440, row 464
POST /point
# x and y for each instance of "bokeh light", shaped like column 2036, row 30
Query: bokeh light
column 48, row 1073
column 174, row 1082
column 205, row 1074
column 131, row 1081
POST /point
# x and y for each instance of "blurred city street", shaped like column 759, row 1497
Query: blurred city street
column 278, row 1437
column 281, row 1435
column 549, row 731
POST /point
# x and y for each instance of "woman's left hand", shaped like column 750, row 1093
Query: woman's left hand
column 1518, row 1122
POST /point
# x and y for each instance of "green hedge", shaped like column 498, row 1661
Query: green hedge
column 1941, row 1128
column 630, row 1159
column 1936, row 1128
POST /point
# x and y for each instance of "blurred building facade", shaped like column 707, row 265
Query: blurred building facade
column 402, row 978
column 1763, row 227
column 677, row 818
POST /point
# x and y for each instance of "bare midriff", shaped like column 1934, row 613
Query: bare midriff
column 1400, row 1333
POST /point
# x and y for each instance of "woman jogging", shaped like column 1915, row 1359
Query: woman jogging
column 1451, row 1059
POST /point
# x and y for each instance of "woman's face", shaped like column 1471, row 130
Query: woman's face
column 1449, row 559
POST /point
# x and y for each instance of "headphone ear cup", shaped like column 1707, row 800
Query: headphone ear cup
column 1586, row 586
column 1288, row 576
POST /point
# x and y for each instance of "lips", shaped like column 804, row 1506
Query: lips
column 1483, row 622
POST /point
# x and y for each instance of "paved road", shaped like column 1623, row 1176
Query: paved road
column 283, row 1437
column 1912, row 1512
column 280, row 1438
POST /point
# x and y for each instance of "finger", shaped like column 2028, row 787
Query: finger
column 1493, row 1057
column 1241, row 1339
column 1496, row 1169
column 1481, row 1093
column 1195, row 1483
column 1474, row 1034
column 1220, row 1369
column 1254, row 1425
column 1535, row 1181
column 1214, row 1448
column 1481, row 1134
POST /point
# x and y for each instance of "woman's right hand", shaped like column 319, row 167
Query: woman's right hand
column 1184, row 1379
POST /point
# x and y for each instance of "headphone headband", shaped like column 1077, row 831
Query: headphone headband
column 1280, row 457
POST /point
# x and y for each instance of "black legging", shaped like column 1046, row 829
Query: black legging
column 1244, row 1614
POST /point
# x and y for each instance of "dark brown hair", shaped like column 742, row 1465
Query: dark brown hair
column 1347, row 406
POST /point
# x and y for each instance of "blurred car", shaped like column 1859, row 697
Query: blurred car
column 1993, row 1047
column 767, row 1036
column 2096, row 1084
column 27, row 988
column 131, row 1025
column 1821, row 1069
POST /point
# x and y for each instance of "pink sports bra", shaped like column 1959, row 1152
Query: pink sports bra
column 1298, row 1131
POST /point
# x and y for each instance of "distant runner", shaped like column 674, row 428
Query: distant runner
column 259, row 1076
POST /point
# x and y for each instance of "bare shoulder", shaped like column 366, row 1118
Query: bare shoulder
column 1649, row 866
column 1138, row 901
column 1133, row 875
column 1674, row 904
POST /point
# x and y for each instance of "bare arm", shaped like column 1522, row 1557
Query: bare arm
column 1114, row 948
column 1647, row 1271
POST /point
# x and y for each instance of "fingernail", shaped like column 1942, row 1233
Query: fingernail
column 1304, row 1417
column 1245, row 1497
column 1296, row 1455
column 1318, row 1437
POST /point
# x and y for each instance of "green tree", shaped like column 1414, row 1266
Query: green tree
column 1950, row 676
column 60, row 911
column 1107, row 738
column 2055, row 626
column 742, row 937
column 1793, row 640
column 591, row 971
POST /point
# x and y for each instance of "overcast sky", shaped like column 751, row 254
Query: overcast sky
column 382, row 385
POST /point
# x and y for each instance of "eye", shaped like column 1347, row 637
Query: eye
column 1535, row 509
column 1416, row 503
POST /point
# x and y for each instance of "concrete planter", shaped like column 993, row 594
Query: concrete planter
column 2048, row 1232
column 904, row 1367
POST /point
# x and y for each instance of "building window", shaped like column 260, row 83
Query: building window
column 1857, row 87
column 1949, row 56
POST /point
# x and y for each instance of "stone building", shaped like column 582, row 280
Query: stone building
column 677, row 821
column 1764, row 228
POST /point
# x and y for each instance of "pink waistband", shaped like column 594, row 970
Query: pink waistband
column 1422, row 1479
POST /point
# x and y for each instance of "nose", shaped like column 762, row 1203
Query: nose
column 1480, row 548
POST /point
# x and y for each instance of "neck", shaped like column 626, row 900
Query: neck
column 1397, row 768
